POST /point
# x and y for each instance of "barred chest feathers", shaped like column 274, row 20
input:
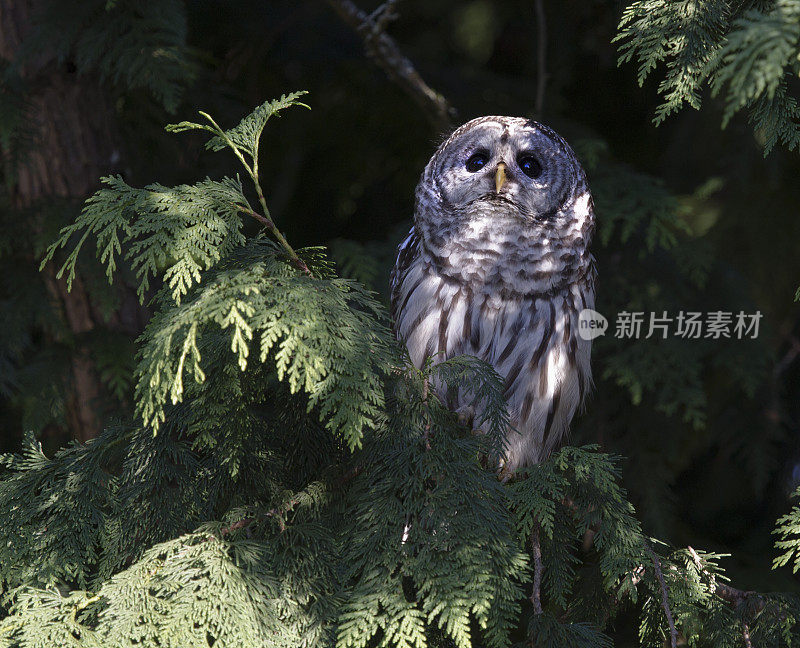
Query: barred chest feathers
column 503, row 275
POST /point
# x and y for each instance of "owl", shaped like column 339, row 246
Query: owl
column 497, row 265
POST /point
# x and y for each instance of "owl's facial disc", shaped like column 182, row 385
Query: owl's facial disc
column 513, row 164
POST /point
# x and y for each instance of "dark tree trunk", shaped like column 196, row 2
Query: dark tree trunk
column 75, row 143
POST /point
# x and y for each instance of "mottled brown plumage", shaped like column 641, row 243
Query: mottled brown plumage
column 497, row 265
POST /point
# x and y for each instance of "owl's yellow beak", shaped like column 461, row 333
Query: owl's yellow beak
column 500, row 176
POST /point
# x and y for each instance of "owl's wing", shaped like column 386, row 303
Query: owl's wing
column 407, row 253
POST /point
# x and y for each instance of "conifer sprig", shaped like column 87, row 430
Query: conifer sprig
column 743, row 53
column 244, row 141
column 323, row 495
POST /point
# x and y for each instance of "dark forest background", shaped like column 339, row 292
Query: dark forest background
column 690, row 216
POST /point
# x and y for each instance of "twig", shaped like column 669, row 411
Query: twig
column 746, row 635
column 270, row 225
column 664, row 597
column 253, row 173
column 726, row 592
column 536, row 550
column 427, row 433
column 380, row 18
column 277, row 512
column 541, row 71
column 382, row 48
column 83, row 605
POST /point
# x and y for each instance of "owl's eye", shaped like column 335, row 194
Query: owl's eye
column 530, row 165
column 476, row 162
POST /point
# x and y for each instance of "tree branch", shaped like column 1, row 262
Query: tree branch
column 746, row 635
column 726, row 592
column 278, row 512
column 541, row 71
column 673, row 633
column 427, row 432
column 384, row 51
column 536, row 549
column 270, row 225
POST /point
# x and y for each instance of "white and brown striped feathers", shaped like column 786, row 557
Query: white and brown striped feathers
column 497, row 266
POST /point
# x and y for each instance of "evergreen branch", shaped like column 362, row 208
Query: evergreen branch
column 746, row 57
column 426, row 435
column 536, row 550
column 135, row 45
column 729, row 594
column 83, row 605
column 243, row 140
column 237, row 150
column 384, row 50
column 277, row 512
column 270, row 225
column 173, row 232
column 673, row 633
column 253, row 172
column 323, row 336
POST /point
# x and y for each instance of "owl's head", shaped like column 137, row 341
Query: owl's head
column 512, row 167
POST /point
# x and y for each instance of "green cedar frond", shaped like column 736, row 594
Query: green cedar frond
column 46, row 618
column 670, row 372
column 243, row 138
column 198, row 587
column 355, row 261
column 682, row 34
column 430, row 537
column 752, row 62
column 69, row 496
column 322, row 335
column 777, row 119
column 549, row 632
column 746, row 58
column 572, row 492
column 176, row 232
column 788, row 529
column 633, row 201
column 485, row 395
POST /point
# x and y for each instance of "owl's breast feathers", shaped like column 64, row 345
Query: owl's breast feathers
column 524, row 324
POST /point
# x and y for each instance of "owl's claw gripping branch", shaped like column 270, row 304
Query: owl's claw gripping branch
column 383, row 49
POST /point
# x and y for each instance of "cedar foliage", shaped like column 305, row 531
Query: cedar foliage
column 746, row 52
column 320, row 495
column 313, row 493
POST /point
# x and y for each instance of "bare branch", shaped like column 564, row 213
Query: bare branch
column 536, row 548
column 381, row 17
column 541, row 71
column 427, row 433
column 382, row 48
column 746, row 635
column 664, row 597
column 267, row 222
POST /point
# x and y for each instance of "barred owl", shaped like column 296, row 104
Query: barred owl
column 497, row 265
